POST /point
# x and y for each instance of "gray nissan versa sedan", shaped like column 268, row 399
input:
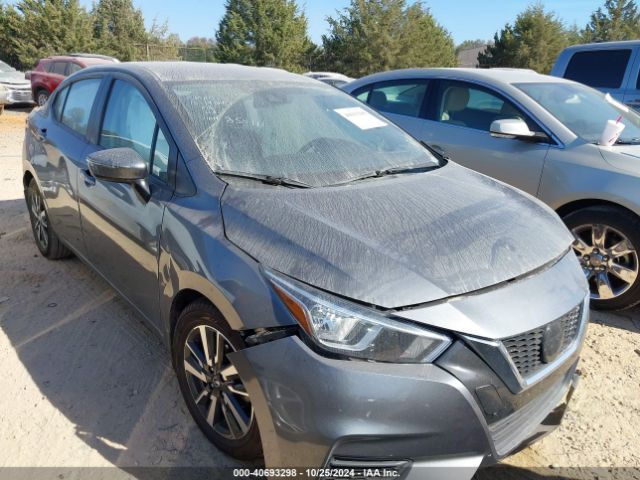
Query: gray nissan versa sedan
column 333, row 293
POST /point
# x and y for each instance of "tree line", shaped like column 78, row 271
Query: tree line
column 365, row 37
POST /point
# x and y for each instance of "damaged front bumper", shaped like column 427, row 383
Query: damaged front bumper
column 315, row 411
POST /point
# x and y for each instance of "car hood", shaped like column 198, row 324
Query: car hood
column 623, row 157
column 13, row 78
column 397, row 241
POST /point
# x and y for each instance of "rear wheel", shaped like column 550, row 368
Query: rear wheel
column 211, row 385
column 41, row 97
column 607, row 244
column 46, row 240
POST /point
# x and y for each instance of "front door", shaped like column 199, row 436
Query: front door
column 121, row 228
column 461, row 114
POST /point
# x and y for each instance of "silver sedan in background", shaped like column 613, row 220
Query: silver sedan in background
column 540, row 134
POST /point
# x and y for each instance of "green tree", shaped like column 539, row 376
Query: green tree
column 118, row 29
column 534, row 41
column 200, row 49
column 161, row 44
column 32, row 29
column 376, row 35
column 264, row 33
column 619, row 20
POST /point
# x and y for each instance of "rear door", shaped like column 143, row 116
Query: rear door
column 122, row 229
column 459, row 119
column 63, row 137
column 56, row 73
column 607, row 69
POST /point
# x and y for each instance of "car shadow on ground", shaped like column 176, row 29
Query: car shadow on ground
column 624, row 320
column 88, row 356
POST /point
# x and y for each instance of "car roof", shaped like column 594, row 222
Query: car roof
column 85, row 60
column 167, row 72
column 603, row 45
column 496, row 76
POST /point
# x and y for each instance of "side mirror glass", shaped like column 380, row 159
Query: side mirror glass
column 120, row 165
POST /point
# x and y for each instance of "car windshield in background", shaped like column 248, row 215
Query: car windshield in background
column 4, row 68
column 313, row 134
column 583, row 110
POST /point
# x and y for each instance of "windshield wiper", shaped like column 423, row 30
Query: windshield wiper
column 419, row 168
column 266, row 179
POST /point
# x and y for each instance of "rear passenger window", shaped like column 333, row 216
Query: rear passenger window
column 401, row 98
column 77, row 108
column 73, row 68
column 599, row 68
column 130, row 122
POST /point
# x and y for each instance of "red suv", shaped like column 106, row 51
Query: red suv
column 51, row 71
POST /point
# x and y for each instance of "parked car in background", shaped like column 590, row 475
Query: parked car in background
column 540, row 134
column 611, row 67
column 330, row 78
column 332, row 293
column 14, row 89
column 50, row 71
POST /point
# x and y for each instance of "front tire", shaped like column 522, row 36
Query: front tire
column 608, row 247
column 46, row 239
column 211, row 386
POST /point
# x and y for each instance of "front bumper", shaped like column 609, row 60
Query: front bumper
column 10, row 95
column 315, row 411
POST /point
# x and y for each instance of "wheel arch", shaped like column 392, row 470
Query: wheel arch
column 196, row 288
column 26, row 179
column 576, row 205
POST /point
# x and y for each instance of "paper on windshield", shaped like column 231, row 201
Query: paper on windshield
column 360, row 118
column 616, row 103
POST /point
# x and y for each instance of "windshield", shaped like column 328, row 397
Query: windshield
column 303, row 131
column 4, row 68
column 583, row 110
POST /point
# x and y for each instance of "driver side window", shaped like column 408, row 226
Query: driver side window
column 130, row 122
column 471, row 106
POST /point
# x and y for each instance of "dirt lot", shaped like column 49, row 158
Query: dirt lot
column 84, row 383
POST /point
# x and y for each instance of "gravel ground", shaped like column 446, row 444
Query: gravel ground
column 85, row 383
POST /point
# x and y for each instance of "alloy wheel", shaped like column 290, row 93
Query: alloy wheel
column 214, row 383
column 42, row 99
column 39, row 220
column 608, row 259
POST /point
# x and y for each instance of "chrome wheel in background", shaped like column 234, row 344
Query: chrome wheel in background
column 214, row 383
column 608, row 259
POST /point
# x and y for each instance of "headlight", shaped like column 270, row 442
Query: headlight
column 345, row 328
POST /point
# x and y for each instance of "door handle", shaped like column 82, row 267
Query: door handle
column 89, row 180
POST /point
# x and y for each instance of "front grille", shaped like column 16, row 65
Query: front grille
column 525, row 349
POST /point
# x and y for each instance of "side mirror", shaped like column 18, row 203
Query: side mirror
column 511, row 128
column 27, row 75
column 120, row 165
